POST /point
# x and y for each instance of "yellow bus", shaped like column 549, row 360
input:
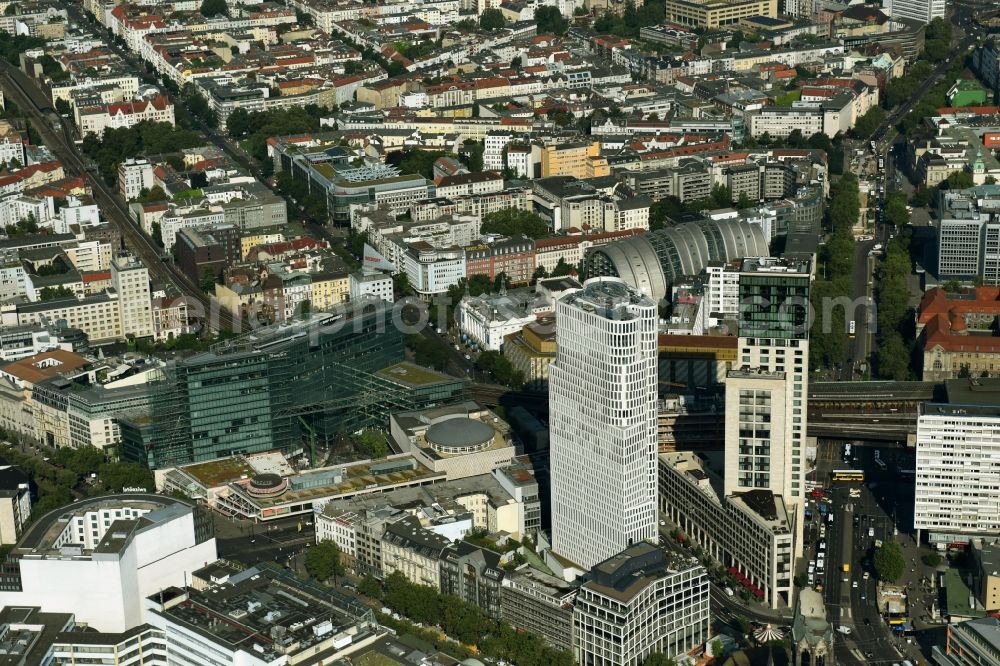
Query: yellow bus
column 848, row 475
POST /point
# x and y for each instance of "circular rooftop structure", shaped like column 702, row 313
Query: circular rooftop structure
column 459, row 435
column 267, row 485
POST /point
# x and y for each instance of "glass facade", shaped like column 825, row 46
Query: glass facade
column 774, row 306
column 277, row 390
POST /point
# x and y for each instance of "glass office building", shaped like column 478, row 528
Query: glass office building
column 282, row 388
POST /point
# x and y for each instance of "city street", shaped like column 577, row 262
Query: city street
column 882, row 511
column 252, row 543
column 861, row 280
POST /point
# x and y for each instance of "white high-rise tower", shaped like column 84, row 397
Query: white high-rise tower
column 130, row 279
column 602, row 421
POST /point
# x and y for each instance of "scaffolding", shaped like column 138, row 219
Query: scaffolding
column 271, row 389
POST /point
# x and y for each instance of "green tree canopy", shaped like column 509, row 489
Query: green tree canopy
column 550, row 20
column 475, row 285
column 959, row 180
column 370, row 587
column 895, row 209
column 417, row 160
column 80, row 461
column 428, row 352
column 889, row 562
column 663, row 210
column 196, row 102
column 53, row 293
column 492, row 20
column 146, row 138
column 562, row 268
column 468, row 624
column 373, row 443
column 868, row 123
column 208, row 281
column 513, row 221
column 210, row 8
column 893, row 358
column 937, row 40
column 500, row 367
column 632, row 20
column 12, row 46
column 114, row 477
column 323, row 561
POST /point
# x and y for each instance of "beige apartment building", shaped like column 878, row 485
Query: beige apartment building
column 717, row 13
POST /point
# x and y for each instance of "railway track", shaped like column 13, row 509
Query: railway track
column 30, row 99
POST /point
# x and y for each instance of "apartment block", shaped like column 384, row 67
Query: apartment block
column 538, row 602
column 580, row 160
column 766, row 394
column 134, row 176
column 130, row 279
column 717, row 13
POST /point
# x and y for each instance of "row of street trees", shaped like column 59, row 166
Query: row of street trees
column 464, row 622
column 896, row 332
column 828, row 338
column 68, row 470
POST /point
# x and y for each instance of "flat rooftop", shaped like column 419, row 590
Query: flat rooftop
column 413, row 375
column 43, row 532
column 959, row 597
column 982, row 391
column 218, row 472
column 266, row 610
column 443, row 493
column 773, row 265
column 355, row 478
column 608, row 297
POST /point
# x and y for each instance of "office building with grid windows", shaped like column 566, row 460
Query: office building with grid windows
column 603, row 418
column 766, row 394
column 958, row 463
column 969, row 234
column 638, row 602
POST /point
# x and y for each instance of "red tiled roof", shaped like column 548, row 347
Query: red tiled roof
column 95, row 276
column 944, row 322
column 936, row 302
column 979, row 110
